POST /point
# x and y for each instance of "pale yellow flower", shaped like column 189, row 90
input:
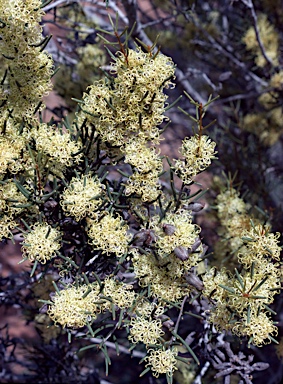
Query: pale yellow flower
column 10, row 154
column 141, row 157
column 82, row 197
column 145, row 331
column 162, row 361
column 211, row 280
column 259, row 328
column 30, row 69
column 7, row 224
column 276, row 80
column 197, row 152
column 134, row 104
column 57, row 144
column 41, row 243
column 11, row 198
column 184, row 234
column 221, row 317
column 109, row 234
column 120, row 294
column 259, row 242
column 145, row 309
column 163, row 284
column 163, row 287
column 229, row 203
column 75, row 306
column 269, row 38
column 145, row 185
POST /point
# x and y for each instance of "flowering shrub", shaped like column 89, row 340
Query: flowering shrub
column 111, row 221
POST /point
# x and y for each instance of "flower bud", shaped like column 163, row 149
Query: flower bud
column 169, row 324
column 166, row 322
column 195, row 207
column 195, row 281
column 169, row 229
column 144, row 237
column 181, row 252
column 43, row 309
column 195, row 246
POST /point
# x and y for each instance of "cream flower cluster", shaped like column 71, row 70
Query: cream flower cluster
column 249, row 242
column 126, row 111
column 82, row 197
column 11, row 201
column 269, row 38
column 267, row 123
column 259, row 244
column 184, row 233
column 109, row 234
column 259, row 328
column 145, row 331
column 198, row 151
column 241, row 300
column 234, row 219
column 229, row 204
column 133, row 103
column 163, row 268
column 75, row 306
column 145, row 309
column 144, row 185
column 11, row 154
column 144, row 159
column 211, row 282
column 41, row 243
column 145, row 325
column 29, row 69
column 7, row 224
column 147, row 166
column 162, row 361
column 164, row 284
column 57, row 144
column 121, row 294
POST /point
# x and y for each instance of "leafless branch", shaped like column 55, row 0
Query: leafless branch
column 226, row 51
column 58, row 3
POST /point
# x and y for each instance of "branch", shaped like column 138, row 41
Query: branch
column 57, row 4
column 180, row 314
column 113, row 6
column 227, row 52
column 109, row 344
column 250, row 6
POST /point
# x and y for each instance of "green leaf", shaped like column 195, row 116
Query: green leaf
column 187, row 346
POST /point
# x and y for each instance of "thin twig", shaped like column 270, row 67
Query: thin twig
column 57, row 4
column 227, row 51
column 250, row 6
column 109, row 344
column 180, row 314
